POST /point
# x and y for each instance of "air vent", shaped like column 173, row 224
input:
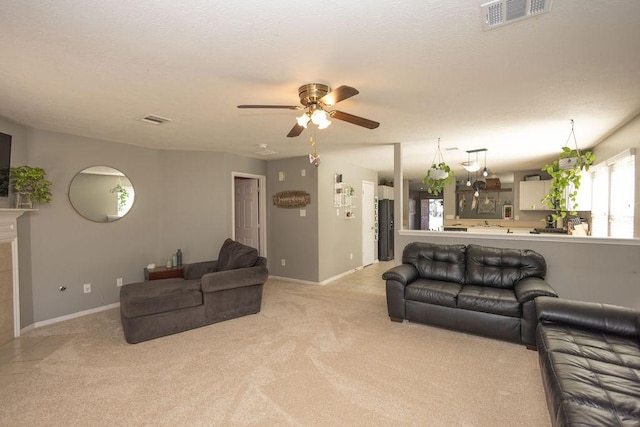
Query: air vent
column 264, row 151
column 154, row 120
column 502, row 12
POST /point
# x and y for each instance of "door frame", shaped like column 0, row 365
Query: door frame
column 373, row 220
column 262, row 208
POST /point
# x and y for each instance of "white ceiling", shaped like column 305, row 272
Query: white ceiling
column 425, row 70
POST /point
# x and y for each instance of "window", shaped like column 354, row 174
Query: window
column 612, row 213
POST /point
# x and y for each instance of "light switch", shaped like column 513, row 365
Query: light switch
column 303, row 212
column 280, row 176
column 303, row 172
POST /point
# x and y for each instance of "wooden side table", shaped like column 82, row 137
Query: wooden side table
column 162, row 273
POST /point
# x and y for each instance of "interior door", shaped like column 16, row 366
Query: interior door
column 247, row 227
column 368, row 223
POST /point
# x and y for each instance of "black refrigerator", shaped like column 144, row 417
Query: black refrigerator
column 385, row 230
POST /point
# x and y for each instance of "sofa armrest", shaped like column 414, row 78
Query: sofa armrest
column 231, row 279
column 196, row 270
column 606, row 318
column 403, row 273
column 531, row 288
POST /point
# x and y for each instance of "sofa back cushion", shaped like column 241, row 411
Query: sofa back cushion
column 435, row 261
column 235, row 255
column 502, row 268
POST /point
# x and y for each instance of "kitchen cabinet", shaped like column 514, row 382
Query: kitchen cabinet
column 532, row 193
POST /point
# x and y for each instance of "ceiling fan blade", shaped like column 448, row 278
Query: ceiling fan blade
column 287, row 107
column 339, row 94
column 360, row 121
column 295, row 131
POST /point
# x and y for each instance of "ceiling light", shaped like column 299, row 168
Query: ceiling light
column 320, row 118
column 471, row 166
column 303, row 120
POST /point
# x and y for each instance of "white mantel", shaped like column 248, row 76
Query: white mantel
column 9, row 234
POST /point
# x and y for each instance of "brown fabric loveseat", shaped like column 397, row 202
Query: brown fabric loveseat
column 209, row 292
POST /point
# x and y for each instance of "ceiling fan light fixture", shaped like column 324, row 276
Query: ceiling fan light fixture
column 303, row 120
column 319, row 117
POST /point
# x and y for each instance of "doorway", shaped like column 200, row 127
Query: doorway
column 368, row 224
column 249, row 210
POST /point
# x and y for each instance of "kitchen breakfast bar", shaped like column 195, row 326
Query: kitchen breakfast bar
column 605, row 270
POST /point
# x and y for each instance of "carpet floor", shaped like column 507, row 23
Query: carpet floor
column 314, row 355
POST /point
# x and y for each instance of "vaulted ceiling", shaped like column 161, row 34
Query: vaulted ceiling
column 425, row 70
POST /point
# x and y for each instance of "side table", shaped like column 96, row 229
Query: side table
column 162, row 273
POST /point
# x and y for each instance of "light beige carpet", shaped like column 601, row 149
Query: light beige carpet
column 315, row 355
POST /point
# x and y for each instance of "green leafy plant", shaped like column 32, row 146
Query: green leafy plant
column 122, row 194
column 434, row 180
column 565, row 180
column 31, row 182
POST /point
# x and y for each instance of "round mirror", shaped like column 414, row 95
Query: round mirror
column 101, row 194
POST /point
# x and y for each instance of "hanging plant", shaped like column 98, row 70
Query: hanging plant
column 439, row 174
column 122, row 194
column 565, row 178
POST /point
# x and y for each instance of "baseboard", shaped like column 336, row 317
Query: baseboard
column 324, row 282
column 68, row 317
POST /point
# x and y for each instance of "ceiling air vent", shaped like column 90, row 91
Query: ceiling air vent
column 154, row 120
column 264, row 151
column 502, row 12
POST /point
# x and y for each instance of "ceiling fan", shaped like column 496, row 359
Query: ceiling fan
column 315, row 99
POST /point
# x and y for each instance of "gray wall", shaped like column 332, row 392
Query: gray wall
column 290, row 236
column 182, row 201
column 340, row 237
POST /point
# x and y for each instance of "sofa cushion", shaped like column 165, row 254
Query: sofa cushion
column 159, row 296
column 489, row 300
column 437, row 262
column 235, row 255
column 502, row 268
column 591, row 377
column 433, row 292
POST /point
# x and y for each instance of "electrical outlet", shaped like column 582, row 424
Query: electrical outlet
column 282, row 262
column 119, row 281
column 87, row 288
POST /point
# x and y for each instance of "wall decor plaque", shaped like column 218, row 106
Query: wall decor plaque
column 291, row 199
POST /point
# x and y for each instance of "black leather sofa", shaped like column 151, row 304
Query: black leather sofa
column 477, row 289
column 589, row 356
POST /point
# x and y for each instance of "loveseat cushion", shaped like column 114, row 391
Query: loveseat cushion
column 590, row 377
column 235, row 255
column 437, row 262
column 502, row 268
column 159, row 296
column 433, row 292
column 489, row 300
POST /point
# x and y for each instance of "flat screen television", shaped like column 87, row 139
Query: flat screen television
column 5, row 163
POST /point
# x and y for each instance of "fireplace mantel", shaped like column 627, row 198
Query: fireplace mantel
column 9, row 234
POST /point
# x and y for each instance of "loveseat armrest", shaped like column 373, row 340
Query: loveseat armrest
column 231, row 279
column 196, row 270
column 403, row 273
column 606, row 318
column 532, row 287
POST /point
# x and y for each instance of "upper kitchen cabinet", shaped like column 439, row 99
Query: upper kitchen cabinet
column 532, row 193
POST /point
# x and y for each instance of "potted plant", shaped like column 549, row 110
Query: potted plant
column 565, row 179
column 29, row 185
column 437, row 178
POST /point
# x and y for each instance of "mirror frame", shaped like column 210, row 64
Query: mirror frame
column 84, row 206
